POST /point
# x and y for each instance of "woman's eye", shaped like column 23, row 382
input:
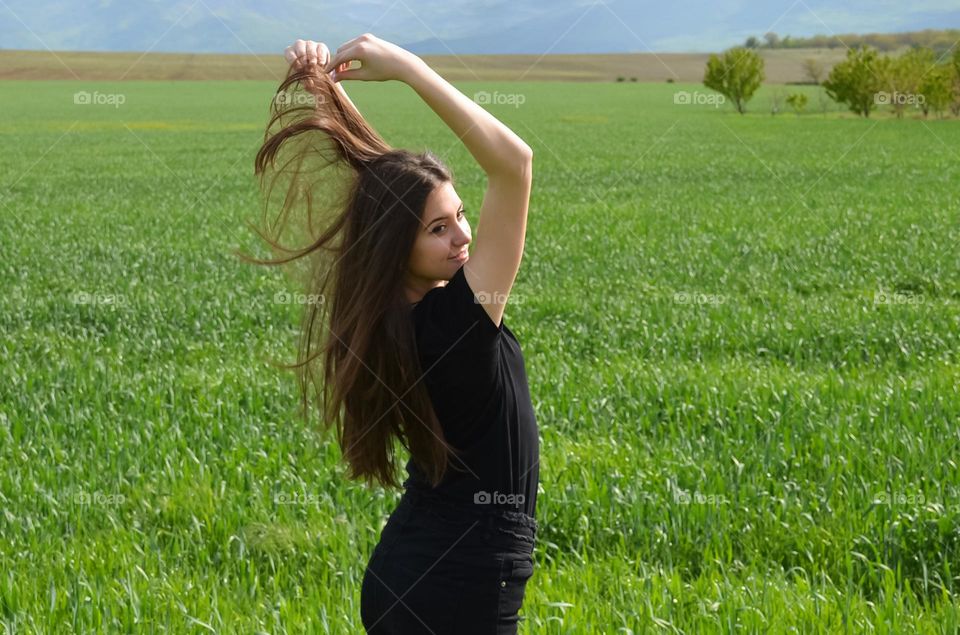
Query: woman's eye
column 439, row 226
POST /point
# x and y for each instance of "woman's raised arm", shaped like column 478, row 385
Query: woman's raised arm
column 494, row 146
column 505, row 158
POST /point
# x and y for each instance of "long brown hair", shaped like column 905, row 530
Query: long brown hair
column 359, row 203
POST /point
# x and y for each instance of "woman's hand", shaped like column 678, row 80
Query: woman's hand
column 304, row 53
column 379, row 60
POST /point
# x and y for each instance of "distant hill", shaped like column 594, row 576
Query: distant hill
column 781, row 66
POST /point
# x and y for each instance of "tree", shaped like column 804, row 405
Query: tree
column 856, row 81
column 955, row 62
column 814, row 70
column 736, row 75
column 936, row 88
column 797, row 101
column 902, row 77
column 752, row 42
column 773, row 40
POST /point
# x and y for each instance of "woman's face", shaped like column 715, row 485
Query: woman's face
column 443, row 233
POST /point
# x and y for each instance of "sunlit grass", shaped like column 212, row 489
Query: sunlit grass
column 741, row 336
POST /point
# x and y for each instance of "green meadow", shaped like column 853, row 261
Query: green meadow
column 740, row 332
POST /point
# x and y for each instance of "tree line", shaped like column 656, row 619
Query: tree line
column 919, row 78
column 939, row 40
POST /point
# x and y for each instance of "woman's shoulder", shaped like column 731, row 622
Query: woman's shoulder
column 452, row 314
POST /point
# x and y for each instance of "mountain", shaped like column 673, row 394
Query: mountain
column 441, row 26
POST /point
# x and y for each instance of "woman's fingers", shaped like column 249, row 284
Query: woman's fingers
column 341, row 61
column 307, row 52
column 318, row 53
column 323, row 54
column 299, row 47
column 352, row 73
column 350, row 43
column 295, row 52
column 304, row 52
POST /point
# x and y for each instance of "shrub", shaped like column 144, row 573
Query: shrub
column 856, row 81
column 797, row 101
column 737, row 75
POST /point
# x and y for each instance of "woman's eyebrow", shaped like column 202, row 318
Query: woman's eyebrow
column 442, row 217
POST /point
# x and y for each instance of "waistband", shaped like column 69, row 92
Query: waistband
column 490, row 513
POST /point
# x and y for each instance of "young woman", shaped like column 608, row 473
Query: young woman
column 410, row 324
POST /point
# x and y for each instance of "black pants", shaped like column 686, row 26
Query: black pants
column 441, row 570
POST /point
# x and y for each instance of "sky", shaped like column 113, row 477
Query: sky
column 449, row 26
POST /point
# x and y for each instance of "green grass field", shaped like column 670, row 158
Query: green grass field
column 741, row 335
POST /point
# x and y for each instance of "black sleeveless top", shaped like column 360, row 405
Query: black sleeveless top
column 475, row 375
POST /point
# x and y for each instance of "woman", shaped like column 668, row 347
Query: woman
column 415, row 349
